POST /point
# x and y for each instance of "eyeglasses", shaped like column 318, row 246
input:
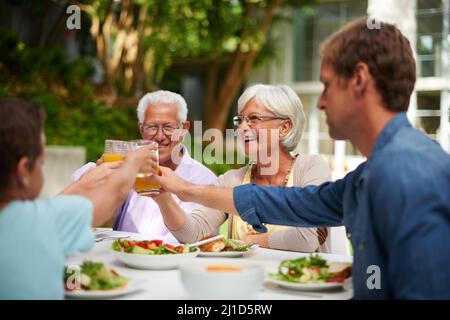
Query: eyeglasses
column 152, row 129
column 253, row 119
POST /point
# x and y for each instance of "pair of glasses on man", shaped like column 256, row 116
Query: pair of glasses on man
column 152, row 129
column 254, row 119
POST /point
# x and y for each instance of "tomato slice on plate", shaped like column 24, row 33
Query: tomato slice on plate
column 171, row 247
column 142, row 244
column 156, row 242
column 152, row 245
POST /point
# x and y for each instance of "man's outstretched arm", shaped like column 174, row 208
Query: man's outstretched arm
column 303, row 207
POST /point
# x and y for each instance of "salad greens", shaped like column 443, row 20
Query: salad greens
column 312, row 269
column 92, row 276
column 236, row 245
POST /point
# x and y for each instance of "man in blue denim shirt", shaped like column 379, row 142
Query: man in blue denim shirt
column 396, row 205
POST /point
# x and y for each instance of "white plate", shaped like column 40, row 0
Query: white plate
column 227, row 254
column 305, row 286
column 222, row 254
column 132, row 286
column 154, row 262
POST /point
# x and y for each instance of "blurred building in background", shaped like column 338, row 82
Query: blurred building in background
column 424, row 22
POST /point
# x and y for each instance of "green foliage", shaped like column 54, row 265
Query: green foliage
column 180, row 29
column 62, row 89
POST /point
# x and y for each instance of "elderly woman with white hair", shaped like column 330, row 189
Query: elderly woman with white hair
column 270, row 122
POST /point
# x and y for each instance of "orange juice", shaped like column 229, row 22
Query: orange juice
column 145, row 187
column 112, row 157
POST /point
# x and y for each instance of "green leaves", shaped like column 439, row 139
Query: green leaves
column 90, row 268
column 234, row 245
column 62, row 88
column 292, row 270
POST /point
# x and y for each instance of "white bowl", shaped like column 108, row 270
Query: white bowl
column 201, row 283
column 154, row 262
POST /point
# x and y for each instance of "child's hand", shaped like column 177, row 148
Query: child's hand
column 97, row 176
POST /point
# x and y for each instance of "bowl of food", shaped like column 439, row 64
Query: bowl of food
column 222, row 279
column 152, row 254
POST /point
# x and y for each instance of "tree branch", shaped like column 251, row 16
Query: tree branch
column 240, row 67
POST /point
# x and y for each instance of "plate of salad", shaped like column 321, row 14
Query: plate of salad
column 152, row 254
column 225, row 248
column 94, row 280
column 311, row 273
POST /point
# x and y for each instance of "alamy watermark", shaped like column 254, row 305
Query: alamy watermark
column 373, row 23
column 74, row 277
column 262, row 146
column 74, row 20
column 374, row 280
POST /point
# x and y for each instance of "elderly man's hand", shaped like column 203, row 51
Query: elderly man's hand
column 100, row 161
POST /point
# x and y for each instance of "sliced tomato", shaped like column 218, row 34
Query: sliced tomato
column 131, row 243
column 152, row 245
column 157, row 242
column 180, row 249
column 141, row 244
column 171, row 247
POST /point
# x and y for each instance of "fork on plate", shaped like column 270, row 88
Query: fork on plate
column 100, row 239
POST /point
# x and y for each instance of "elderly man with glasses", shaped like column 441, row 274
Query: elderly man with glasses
column 162, row 118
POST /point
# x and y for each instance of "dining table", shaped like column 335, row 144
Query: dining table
column 167, row 284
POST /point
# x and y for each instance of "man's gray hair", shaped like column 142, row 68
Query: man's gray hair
column 282, row 101
column 162, row 97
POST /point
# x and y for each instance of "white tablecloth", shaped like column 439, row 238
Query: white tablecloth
column 166, row 284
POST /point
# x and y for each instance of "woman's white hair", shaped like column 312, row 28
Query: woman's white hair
column 282, row 101
column 162, row 97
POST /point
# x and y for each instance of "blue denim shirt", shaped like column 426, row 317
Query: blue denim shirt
column 395, row 206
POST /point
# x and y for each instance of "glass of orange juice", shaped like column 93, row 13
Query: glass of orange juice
column 115, row 150
column 142, row 187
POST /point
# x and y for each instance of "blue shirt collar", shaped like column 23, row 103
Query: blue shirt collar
column 390, row 129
